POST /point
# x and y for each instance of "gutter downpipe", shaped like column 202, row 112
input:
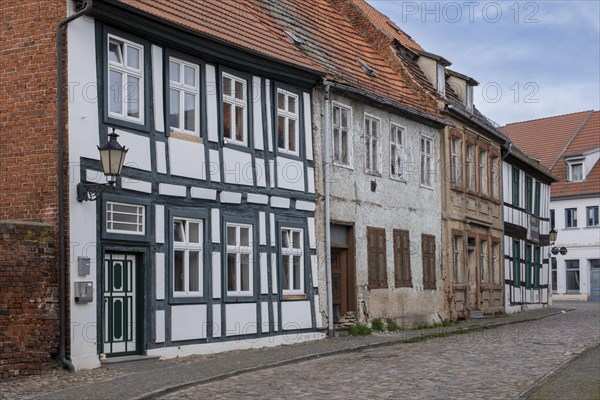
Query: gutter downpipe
column 326, row 181
column 62, row 300
column 508, row 151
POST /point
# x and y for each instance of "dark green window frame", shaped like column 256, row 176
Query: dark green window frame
column 516, row 263
column 515, row 186
column 528, row 266
column 537, row 265
column 528, row 193
column 538, row 196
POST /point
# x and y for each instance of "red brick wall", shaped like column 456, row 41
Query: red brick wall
column 28, row 299
column 28, row 185
column 28, row 188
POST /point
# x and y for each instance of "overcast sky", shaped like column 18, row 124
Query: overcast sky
column 532, row 59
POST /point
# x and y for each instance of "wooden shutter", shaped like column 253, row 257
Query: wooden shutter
column 376, row 258
column 428, row 254
column 402, row 273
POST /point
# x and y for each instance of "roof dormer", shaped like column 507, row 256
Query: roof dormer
column 578, row 165
column 434, row 68
column 462, row 86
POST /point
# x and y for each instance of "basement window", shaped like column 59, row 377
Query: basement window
column 125, row 218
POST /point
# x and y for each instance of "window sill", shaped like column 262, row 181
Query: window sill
column 187, row 136
column 371, row 173
column 426, row 187
column 571, row 228
column 397, row 179
column 292, row 296
column 592, row 227
column 346, row 166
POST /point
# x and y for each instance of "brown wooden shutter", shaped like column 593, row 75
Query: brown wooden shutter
column 376, row 258
column 402, row 274
column 428, row 254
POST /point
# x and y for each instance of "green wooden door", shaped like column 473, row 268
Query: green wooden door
column 120, row 305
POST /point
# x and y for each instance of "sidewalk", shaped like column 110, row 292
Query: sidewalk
column 153, row 378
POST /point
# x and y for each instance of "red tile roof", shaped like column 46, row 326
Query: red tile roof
column 545, row 139
column 552, row 139
column 331, row 40
column 240, row 23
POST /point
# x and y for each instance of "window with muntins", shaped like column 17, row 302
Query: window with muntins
column 239, row 260
column 426, row 161
column 125, row 218
column 515, row 187
column 570, row 218
column 483, row 261
column 342, row 137
column 396, row 152
column 376, row 254
column 552, row 219
column 184, row 96
column 537, row 266
column 125, row 80
column 592, row 216
column 573, row 284
column 441, row 79
column 576, row 172
column 554, row 274
column 455, row 161
column 471, row 166
column 187, row 257
column 528, row 193
column 537, row 198
column 235, row 109
column 292, row 265
column 516, row 263
column 287, row 121
column 470, row 97
column 483, row 172
column 495, row 178
column 495, row 263
column 372, row 145
column 528, row 265
column 402, row 272
column 457, row 248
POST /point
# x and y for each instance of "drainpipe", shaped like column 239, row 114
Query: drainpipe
column 326, row 180
column 509, row 150
column 62, row 267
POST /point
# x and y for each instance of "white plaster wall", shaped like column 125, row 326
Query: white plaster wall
column 290, row 174
column 83, row 137
column 187, row 158
column 138, row 156
column 295, row 315
column 188, row 322
column 237, row 167
column 240, row 319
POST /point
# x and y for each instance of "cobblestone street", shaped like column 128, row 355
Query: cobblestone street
column 497, row 363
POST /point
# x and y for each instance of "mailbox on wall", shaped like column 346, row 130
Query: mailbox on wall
column 84, row 292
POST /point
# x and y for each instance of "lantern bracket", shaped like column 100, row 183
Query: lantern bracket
column 91, row 191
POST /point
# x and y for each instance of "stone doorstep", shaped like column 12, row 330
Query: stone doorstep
column 127, row 359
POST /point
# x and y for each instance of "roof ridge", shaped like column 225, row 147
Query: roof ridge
column 558, row 157
column 553, row 116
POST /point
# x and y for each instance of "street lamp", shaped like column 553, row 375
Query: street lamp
column 112, row 157
column 552, row 235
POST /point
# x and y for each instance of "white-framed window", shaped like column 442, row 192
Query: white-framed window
column 125, row 218
column 441, row 79
column 372, row 144
column 483, row 172
column 292, row 262
column 426, row 160
column 570, row 218
column 495, row 264
column 287, row 121
column 576, row 172
column 235, row 109
column 471, row 166
column 483, row 262
column 184, row 96
column 591, row 214
column 125, row 79
column 469, row 97
column 187, row 257
column 397, row 155
column 457, row 249
column 239, row 260
column 456, row 160
column 342, row 136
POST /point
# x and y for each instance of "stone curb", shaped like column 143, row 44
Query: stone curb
column 425, row 336
column 550, row 376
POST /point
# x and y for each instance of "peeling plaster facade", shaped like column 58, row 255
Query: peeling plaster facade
column 392, row 205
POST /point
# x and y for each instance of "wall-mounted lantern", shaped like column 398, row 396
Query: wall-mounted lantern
column 555, row 250
column 112, row 158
